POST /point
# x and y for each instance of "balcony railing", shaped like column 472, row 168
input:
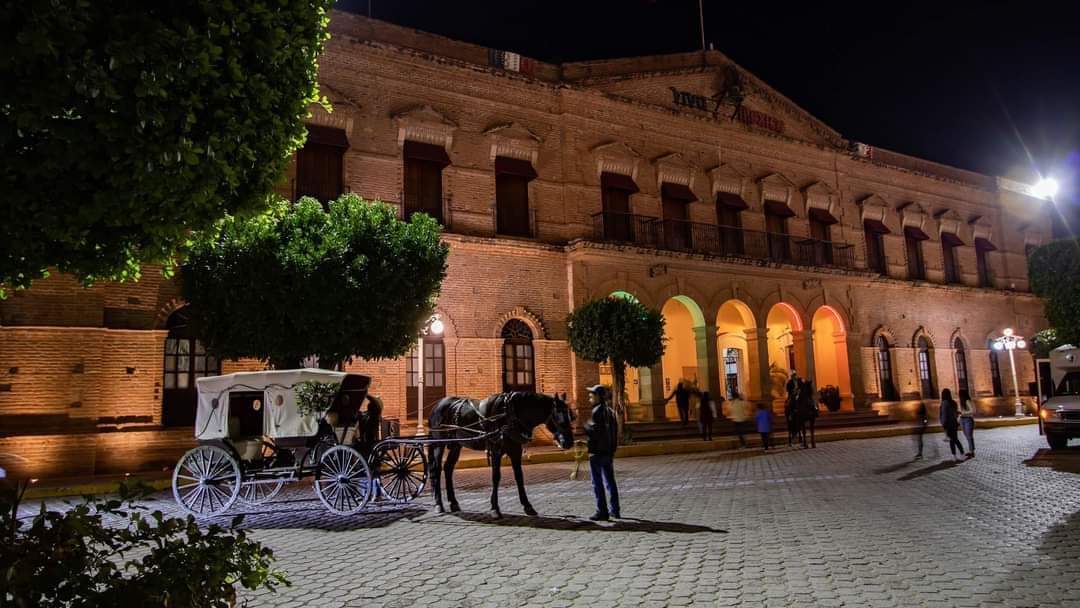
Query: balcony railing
column 679, row 235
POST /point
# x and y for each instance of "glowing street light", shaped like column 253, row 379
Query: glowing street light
column 433, row 326
column 1009, row 341
column 1046, row 187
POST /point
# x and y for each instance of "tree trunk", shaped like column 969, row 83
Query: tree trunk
column 618, row 375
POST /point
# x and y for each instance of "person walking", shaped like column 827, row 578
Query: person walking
column 792, row 391
column 807, row 411
column 948, row 415
column 763, row 418
column 739, row 412
column 706, row 415
column 682, row 402
column 967, row 419
column 922, row 421
column 603, row 432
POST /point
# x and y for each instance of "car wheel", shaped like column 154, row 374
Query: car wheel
column 1057, row 441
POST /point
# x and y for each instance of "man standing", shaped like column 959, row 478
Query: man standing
column 792, row 390
column 682, row 402
column 739, row 412
column 603, row 432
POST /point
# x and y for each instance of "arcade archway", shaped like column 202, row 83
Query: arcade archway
column 736, row 348
column 831, row 364
column 683, row 322
column 786, row 345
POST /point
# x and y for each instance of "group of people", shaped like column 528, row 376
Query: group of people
column 800, row 410
column 955, row 415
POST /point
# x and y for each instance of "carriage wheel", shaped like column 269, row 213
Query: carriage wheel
column 343, row 480
column 401, row 470
column 206, row 481
column 256, row 492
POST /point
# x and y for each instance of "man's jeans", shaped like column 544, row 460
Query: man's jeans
column 602, row 465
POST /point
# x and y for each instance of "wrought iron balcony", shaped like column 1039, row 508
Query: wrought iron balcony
column 679, row 235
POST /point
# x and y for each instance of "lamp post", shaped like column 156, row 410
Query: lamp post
column 433, row 325
column 1009, row 341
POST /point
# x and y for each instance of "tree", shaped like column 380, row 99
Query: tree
column 300, row 280
column 1054, row 272
column 619, row 330
column 125, row 125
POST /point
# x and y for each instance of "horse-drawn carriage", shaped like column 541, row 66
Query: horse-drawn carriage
column 257, row 431
column 255, row 436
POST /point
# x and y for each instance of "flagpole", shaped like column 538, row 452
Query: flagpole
column 701, row 24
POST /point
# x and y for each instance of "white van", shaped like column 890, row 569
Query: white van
column 1061, row 413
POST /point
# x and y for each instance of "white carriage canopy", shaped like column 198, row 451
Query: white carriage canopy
column 280, row 415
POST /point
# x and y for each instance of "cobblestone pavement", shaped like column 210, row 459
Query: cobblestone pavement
column 853, row 523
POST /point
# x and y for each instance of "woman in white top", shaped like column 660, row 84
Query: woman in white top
column 967, row 419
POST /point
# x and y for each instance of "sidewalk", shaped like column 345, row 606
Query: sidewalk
column 543, row 454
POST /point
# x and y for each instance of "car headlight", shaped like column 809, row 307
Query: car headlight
column 1046, row 414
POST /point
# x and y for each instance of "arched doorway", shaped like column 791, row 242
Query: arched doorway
column 960, row 358
column 736, row 345
column 683, row 322
column 924, row 355
column 519, row 371
column 434, row 376
column 831, row 364
column 886, row 385
column 995, row 371
column 186, row 360
column 787, row 346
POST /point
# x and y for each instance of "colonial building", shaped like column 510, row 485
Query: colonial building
column 770, row 242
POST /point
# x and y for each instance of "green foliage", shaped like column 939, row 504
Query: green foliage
column 116, row 553
column 1043, row 342
column 313, row 398
column 1054, row 271
column 617, row 329
column 125, row 125
column 298, row 280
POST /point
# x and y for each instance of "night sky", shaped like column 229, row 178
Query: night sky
column 993, row 87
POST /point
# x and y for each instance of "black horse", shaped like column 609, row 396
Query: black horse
column 500, row 424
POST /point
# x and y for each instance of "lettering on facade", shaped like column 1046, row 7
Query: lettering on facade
column 713, row 104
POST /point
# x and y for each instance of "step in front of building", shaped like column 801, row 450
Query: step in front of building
column 673, row 429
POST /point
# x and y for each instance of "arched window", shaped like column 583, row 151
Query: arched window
column 518, row 369
column 995, row 373
column 185, row 360
column 961, row 364
column 885, row 376
column 926, row 367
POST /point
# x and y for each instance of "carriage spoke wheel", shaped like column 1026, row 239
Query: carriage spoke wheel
column 206, row 481
column 256, row 492
column 343, row 480
column 401, row 470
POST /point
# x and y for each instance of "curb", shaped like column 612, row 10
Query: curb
column 545, row 454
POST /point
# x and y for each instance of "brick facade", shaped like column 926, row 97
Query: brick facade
column 81, row 369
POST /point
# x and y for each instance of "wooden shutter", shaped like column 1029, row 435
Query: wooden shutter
column 512, row 204
column 319, row 169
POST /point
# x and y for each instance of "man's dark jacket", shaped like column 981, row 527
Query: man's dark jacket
column 603, row 430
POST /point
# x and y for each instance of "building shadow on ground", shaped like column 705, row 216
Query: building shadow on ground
column 1065, row 461
column 944, row 465
column 575, row 523
column 314, row 516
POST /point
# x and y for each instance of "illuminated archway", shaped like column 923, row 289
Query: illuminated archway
column 831, row 364
column 680, row 362
column 786, row 345
column 736, row 348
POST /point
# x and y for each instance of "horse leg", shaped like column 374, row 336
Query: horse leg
column 496, row 476
column 514, row 451
column 452, row 454
column 435, row 454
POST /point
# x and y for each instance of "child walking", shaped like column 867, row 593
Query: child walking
column 763, row 418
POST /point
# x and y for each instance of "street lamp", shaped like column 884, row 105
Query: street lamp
column 1010, row 342
column 434, row 326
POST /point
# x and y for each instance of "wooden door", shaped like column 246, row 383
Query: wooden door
column 676, row 224
column 319, row 170
column 434, row 376
column 185, row 360
column 617, row 220
column 512, row 205
column 423, row 188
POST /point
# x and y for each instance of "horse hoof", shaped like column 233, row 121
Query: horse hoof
column 530, row 511
column 495, row 513
column 454, row 508
column 439, row 509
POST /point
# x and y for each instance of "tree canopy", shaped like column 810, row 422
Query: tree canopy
column 125, row 125
column 1054, row 272
column 299, row 280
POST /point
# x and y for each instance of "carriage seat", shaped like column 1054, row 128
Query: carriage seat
column 249, row 448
